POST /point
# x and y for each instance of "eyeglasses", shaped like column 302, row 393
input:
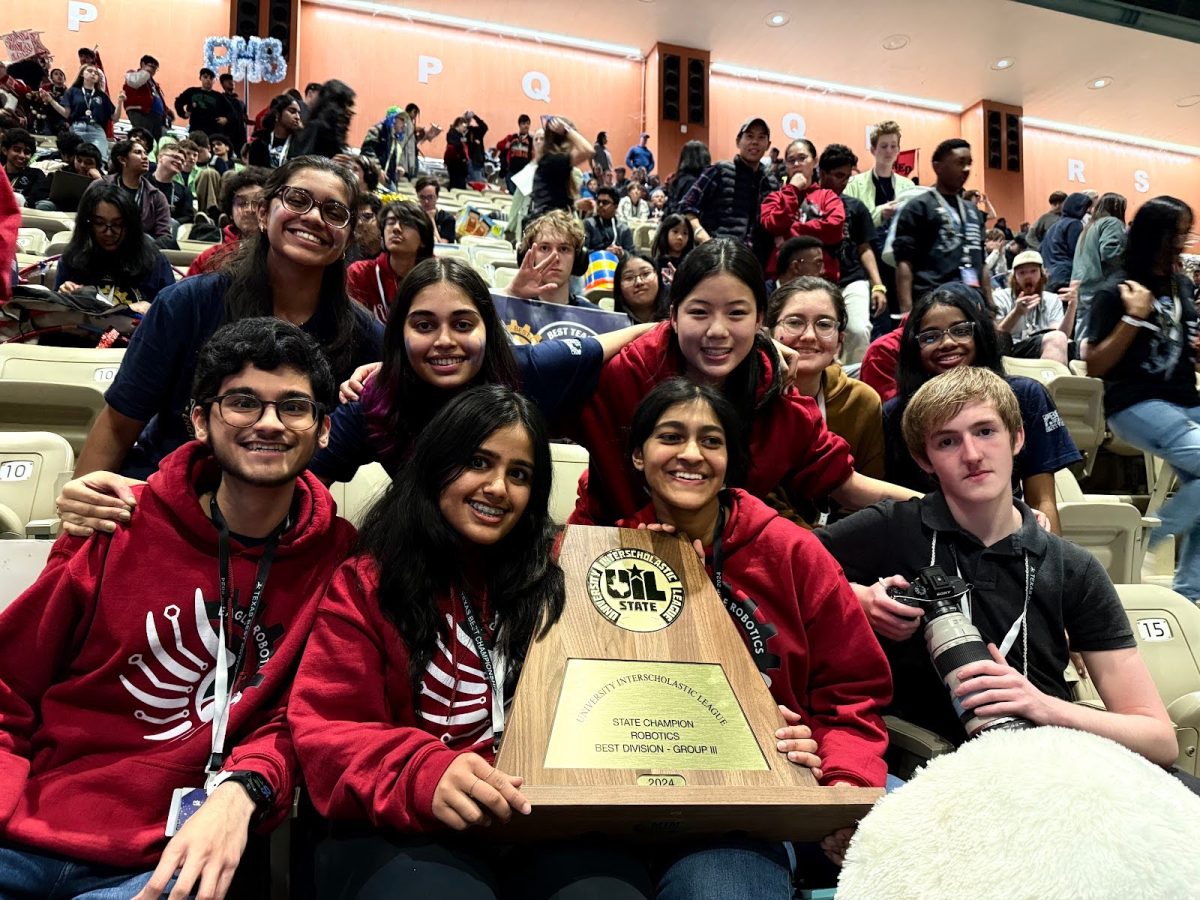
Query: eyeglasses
column 636, row 277
column 244, row 410
column 246, row 202
column 298, row 200
column 824, row 326
column 110, row 227
column 959, row 333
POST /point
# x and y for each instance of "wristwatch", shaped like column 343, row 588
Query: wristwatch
column 254, row 784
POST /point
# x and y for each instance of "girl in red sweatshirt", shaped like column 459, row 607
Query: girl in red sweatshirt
column 400, row 698
column 803, row 626
column 718, row 301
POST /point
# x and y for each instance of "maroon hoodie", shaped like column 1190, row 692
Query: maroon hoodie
column 106, row 668
column 371, row 749
column 806, row 632
column 789, row 443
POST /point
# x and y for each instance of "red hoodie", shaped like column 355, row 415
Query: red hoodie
column 373, row 284
column 10, row 223
column 370, row 750
column 879, row 363
column 818, row 212
column 105, row 707
column 807, row 634
column 789, row 443
column 210, row 259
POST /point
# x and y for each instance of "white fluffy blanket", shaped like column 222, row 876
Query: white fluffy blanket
column 1042, row 814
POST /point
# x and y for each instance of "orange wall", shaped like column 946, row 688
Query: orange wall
column 1106, row 167
column 378, row 57
column 828, row 119
column 172, row 32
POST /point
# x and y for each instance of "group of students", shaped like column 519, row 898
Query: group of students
column 261, row 645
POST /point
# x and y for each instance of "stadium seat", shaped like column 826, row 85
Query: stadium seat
column 355, row 497
column 20, row 564
column 643, row 235
column 570, row 461
column 451, row 251
column 181, row 258
column 1079, row 399
column 65, row 409
column 57, row 243
column 59, row 365
column 1167, row 628
column 1078, row 366
column 1111, row 530
column 502, row 277
column 48, row 222
column 32, row 241
column 33, row 466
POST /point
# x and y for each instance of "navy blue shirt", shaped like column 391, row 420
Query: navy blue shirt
column 154, row 383
column 557, row 375
column 1048, row 445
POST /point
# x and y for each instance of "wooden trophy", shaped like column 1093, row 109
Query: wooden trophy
column 641, row 711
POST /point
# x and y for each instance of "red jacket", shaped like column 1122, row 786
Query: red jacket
column 789, row 443
column 818, row 212
column 210, row 259
column 370, row 750
column 105, row 707
column 373, row 284
column 10, row 224
column 879, row 363
column 807, row 634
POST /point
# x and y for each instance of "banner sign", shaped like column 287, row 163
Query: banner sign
column 906, row 162
column 24, row 44
column 533, row 321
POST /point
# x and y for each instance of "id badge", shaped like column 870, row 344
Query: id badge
column 185, row 803
column 968, row 276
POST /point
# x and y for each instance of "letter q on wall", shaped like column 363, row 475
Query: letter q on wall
column 794, row 125
column 536, row 86
column 428, row 66
column 79, row 13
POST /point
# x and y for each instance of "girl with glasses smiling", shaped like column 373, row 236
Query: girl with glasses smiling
column 949, row 327
column 292, row 268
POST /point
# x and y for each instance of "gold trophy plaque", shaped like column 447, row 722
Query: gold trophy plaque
column 641, row 711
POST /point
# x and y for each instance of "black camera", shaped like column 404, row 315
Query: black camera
column 952, row 640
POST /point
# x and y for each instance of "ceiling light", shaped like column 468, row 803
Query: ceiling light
column 1185, row 102
column 427, row 17
column 895, row 42
column 1098, row 83
column 778, row 19
column 1003, row 63
column 1115, row 136
column 832, row 87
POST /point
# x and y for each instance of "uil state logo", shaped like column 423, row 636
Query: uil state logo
column 634, row 589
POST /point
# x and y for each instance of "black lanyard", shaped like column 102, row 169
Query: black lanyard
column 719, row 557
column 475, row 627
column 260, row 582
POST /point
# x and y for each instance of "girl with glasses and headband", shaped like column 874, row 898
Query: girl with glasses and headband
column 809, row 315
column 292, row 268
column 110, row 251
column 949, row 327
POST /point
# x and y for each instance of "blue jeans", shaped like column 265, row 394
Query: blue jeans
column 729, row 869
column 93, row 134
column 28, row 875
column 1172, row 433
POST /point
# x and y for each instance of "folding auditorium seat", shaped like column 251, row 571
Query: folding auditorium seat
column 32, row 241
column 569, row 462
column 20, row 564
column 502, row 277
column 58, row 389
column 451, row 251
column 1079, row 399
column 48, row 222
column 1113, row 531
column 1167, row 628
column 643, row 236
column 33, row 466
column 361, row 492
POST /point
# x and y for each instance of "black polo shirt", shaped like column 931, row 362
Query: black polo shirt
column 1071, row 591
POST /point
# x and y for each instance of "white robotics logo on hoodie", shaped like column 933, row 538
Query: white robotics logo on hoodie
column 173, row 684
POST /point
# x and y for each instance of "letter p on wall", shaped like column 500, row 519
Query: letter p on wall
column 428, row 66
column 79, row 13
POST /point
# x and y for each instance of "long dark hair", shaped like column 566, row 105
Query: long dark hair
column 136, row 256
column 694, row 158
column 662, row 246
column 1109, row 206
column 910, row 374
column 271, row 119
column 420, row 556
column 1150, row 250
column 620, row 304
column 250, row 292
column 666, row 394
column 734, row 258
column 410, row 214
column 397, row 403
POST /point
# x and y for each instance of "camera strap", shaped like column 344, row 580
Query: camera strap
column 1018, row 628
